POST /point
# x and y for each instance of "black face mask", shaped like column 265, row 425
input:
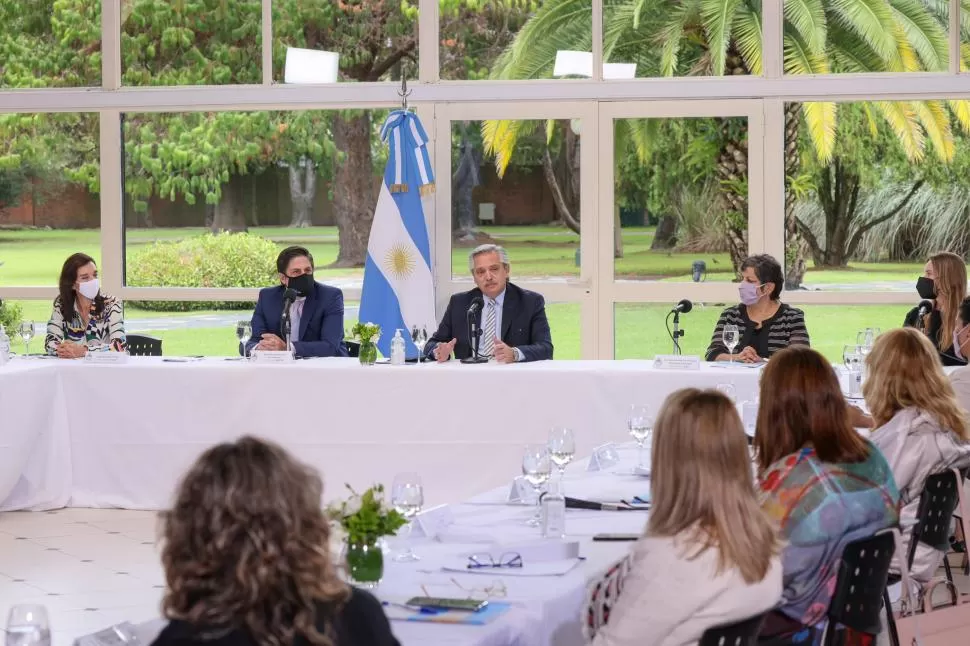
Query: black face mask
column 303, row 284
column 926, row 288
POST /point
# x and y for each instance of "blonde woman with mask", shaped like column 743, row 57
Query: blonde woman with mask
column 920, row 426
column 944, row 284
column 709, row 556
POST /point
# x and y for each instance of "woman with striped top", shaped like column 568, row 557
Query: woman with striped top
column 765, row 324
column 83, row 319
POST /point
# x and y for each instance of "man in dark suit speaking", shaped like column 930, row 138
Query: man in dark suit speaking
column 316, row 314
column 513, row 320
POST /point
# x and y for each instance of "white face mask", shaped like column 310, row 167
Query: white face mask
column 89, row 289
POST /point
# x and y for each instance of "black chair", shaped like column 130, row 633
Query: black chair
column 860, row 588
column 742, row 633
column 937, row 503
column 353, row 348
column 144, row 346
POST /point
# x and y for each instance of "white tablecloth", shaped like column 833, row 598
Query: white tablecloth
column 85, row 435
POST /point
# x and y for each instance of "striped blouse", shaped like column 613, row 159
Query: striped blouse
column 785, row 328
column 105, row 331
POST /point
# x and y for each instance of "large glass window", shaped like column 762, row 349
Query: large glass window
column 864, row 37
column 50, row 204
column 50, row 44
column 202, row 42
column 873, row 189
column 680, row 198
column 516, row 183
column 354, row 40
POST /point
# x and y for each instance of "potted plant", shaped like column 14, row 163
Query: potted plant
column 367, row 334
column 365, row 518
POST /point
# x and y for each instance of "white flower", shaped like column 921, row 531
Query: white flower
column 375, row 338
column 357, row 338
column 352, row 506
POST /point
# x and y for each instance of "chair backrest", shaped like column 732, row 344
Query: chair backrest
column 742, row 633
column 936, row 505
column 353, row 348
column 144, row 346
column 859, row 587
column 601, row 595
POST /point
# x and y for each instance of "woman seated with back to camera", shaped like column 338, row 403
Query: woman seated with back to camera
column 246, row 558
column 821, row 482
column 765, row 324
column 921, row 428
column 709, row 556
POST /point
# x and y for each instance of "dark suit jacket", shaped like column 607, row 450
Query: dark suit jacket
column 321, row 325
column 524, row 324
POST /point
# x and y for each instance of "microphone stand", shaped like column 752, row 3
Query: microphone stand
column 474, row 338
column 286, row 323
column 677, row 333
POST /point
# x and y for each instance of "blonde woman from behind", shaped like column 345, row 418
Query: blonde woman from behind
column 709, row 556
column 920, row 426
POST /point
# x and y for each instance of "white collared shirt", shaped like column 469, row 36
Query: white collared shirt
column 499, row 303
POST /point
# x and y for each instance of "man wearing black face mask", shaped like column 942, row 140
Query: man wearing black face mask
column 316, row 313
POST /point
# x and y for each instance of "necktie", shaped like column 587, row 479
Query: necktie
column 488, row 335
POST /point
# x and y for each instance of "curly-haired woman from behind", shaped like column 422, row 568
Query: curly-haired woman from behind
column 245, row 553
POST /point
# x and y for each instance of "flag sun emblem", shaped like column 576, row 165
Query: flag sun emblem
column 399, row 261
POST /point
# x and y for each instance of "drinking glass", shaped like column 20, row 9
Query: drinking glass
column 640, row 423
column 729, row 391
column 26, row 331
column 419, row 336
column 852, row 358
column 867, row 337
column 562, row 448
column 27, row 625
column 244, row 330
column 731, row 337
column 536, row 468
column 407, row 496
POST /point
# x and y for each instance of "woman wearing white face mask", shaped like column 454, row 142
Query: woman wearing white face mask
column 765, row 324
column 84, row 320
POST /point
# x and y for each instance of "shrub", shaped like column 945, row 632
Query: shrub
column 11, row 315
column 221, row 260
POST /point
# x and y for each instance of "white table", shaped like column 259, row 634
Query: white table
column 547, row 611
column 77, row 434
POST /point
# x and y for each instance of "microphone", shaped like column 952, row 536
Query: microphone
column 925, row 307
column 683, row 307
column 477, row 304
column 290, row 294
column 578, row 503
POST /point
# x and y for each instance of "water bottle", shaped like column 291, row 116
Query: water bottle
column 553, row 512
column 4, row 346
column 397, row 349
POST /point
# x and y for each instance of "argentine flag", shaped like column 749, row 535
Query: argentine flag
column 398, row 291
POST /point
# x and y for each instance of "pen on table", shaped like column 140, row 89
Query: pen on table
column 423, row 609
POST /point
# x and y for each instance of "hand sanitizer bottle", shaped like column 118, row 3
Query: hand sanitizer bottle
column 4, row 346
column 397, row 349
column 553, row 512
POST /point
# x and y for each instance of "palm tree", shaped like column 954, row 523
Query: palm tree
column 724, row 37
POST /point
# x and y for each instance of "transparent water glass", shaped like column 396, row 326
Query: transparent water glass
column 562, row 448
column 731, row 336
column 27, row 625
column 244, row 331
column 407, row 497
column 730, row 391
column 536, row 469
column 640, row 426
column 419, row 336
column 26, row 332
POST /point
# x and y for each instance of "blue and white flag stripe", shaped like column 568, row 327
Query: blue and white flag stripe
column 398, row 290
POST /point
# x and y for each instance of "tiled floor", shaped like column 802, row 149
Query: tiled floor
column 91, row 568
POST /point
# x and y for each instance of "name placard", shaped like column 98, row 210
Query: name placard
column 273, row 356
column 677, row 362
column 431, row 522
column 604, row 456
column 107, row 358
column 521, row 491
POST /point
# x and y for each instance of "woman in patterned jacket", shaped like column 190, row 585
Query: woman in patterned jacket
column 84, row 320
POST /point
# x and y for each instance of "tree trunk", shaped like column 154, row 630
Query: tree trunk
column 210, row 215
column 796, row 249
column 353, row 199
column 665, row 236
column 303, row 188
column 464, row 181
column 617, row 233
column 229, row 213
column 732, row 175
